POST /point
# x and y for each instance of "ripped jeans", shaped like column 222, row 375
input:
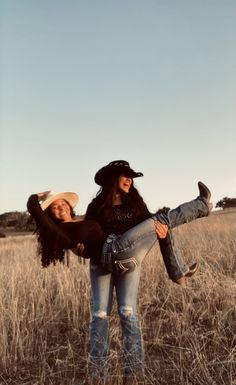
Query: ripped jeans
column 126, row 287
column 132, row 246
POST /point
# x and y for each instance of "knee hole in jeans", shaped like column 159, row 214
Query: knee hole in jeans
column 100, row 314
column 126, row 311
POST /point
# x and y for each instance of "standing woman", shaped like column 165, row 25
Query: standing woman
column 117, row 208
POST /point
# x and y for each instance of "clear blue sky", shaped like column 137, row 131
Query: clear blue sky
column 86, row 82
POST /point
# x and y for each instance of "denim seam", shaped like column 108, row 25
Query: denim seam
column 132, row 244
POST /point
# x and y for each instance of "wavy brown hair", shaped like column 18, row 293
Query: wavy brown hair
column 51, row 249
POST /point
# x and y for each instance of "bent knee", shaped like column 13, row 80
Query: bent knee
column 126, row 312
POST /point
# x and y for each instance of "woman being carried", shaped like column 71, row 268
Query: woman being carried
column 58, row 230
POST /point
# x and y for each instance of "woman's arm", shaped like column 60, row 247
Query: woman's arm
column 34, row 207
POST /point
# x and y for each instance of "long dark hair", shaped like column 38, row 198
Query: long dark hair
column 51, row 249
column 102, row 204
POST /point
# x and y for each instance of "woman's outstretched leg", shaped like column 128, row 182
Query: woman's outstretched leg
column 174, row 263
column 187, row 212
column 176, row 268
column 128, row 250
column 184, row 213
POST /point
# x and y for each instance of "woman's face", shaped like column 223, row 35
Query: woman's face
column 124, row 183
column 60, row 210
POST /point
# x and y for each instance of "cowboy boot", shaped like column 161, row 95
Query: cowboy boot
column 205, row 194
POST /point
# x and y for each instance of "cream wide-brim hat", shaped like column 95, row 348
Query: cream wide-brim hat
column 71, row 197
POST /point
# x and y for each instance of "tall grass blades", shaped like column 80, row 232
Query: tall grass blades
column 189, row 332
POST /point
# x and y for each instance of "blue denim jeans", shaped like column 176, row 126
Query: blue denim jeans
column 126, row 287
column 134, row 244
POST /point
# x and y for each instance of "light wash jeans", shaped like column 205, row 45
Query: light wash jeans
column 127, row 251
column 133, row 245
column 126, row 287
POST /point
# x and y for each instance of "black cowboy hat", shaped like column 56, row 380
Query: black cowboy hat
column 115, row 168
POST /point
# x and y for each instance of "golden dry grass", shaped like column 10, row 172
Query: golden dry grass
column 189, row 332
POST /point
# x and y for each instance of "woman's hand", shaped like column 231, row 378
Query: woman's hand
column 43, row 195
column 161, row 230
column 78, row 250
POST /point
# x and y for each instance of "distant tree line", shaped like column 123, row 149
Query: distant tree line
column 226, row 203
column 19, row 221
column 22, row 221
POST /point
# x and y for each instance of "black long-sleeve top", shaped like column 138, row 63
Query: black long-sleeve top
column 121, row 220
column 69, row 234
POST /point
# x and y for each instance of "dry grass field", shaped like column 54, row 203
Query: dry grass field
column 189, row 332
